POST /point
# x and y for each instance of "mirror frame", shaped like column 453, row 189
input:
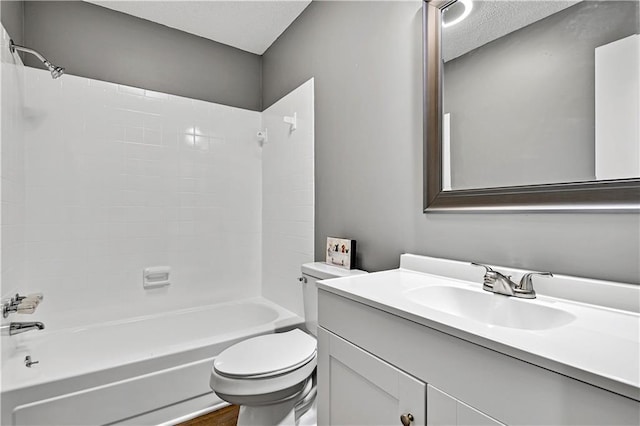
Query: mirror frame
column 621, row 195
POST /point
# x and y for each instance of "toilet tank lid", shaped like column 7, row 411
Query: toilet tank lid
column 322, row 270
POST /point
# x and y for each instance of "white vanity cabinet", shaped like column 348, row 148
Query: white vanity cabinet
column 445, row 410
column 358, row 388
column 375, row 365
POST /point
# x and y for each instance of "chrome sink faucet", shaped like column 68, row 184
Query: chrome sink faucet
column 496, row 282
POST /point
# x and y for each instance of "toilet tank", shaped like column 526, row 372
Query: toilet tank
column 311, row 273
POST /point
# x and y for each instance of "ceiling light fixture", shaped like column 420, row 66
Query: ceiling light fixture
column 468, row 5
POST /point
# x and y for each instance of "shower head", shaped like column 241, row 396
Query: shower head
column 54, row 70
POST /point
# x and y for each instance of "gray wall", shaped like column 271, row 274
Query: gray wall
column 367, row 62
column 525, row 102
column 95, row 42
column 12, row 13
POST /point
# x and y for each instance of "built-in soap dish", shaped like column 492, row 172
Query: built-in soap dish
column 156, row 277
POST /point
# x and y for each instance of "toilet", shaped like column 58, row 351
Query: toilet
column 272, row 377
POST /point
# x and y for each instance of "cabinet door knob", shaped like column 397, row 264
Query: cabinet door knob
column 406, row 419
column 303, row 280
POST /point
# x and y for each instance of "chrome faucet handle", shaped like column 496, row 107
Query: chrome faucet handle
column 488, row 268
column 525, row 288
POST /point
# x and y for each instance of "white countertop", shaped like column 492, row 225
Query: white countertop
column 600, row 347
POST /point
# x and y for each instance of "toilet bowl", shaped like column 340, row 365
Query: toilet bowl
column 272, row 377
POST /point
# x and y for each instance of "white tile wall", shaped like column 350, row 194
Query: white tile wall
column 100, row 181
column 119, row 179
column 12, row 170
column 12, row 177
column 288, row 197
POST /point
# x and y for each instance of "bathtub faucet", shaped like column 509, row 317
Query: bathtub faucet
column 21, row 327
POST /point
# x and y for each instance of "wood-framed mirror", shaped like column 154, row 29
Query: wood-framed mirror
column 584, row 188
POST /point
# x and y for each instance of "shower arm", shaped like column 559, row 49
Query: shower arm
column 56, row 72
column 13, row 47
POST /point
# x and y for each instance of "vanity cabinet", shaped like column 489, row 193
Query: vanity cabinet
column 375, row 365
column 445, row 410
column 359, row 388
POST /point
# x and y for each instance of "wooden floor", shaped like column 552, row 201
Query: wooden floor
column 227, row 416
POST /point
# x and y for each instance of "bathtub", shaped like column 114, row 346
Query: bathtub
column 146, row 370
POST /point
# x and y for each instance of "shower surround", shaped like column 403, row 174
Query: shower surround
column 117, row 179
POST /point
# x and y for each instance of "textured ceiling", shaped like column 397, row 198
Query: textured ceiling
column 248, row 25
column 254, row 25
column 491, row 19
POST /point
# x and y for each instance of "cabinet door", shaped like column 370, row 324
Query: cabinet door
column 444, row 410
column 357, row 388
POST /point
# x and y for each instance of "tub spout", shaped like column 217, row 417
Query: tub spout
column 21, row 327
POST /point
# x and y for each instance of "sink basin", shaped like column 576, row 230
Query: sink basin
column 489, row 308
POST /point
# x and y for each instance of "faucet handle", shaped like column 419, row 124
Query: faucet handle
column 487, row 268
column 525, row 288
column 526, row 283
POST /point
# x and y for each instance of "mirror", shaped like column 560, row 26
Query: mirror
column 532, row 105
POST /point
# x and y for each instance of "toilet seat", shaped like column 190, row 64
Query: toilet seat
column 262, row 369
column 266, row 356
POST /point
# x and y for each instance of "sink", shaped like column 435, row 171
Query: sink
column 489, row 308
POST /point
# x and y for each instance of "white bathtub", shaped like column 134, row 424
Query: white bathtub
column 146, row 370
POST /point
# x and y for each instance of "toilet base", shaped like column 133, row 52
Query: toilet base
column 297, row 411
column 277, row 415
column 282, row 414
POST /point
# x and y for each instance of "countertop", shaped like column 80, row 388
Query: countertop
column 601, row 346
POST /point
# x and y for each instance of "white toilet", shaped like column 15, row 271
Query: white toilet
column 272, row 377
